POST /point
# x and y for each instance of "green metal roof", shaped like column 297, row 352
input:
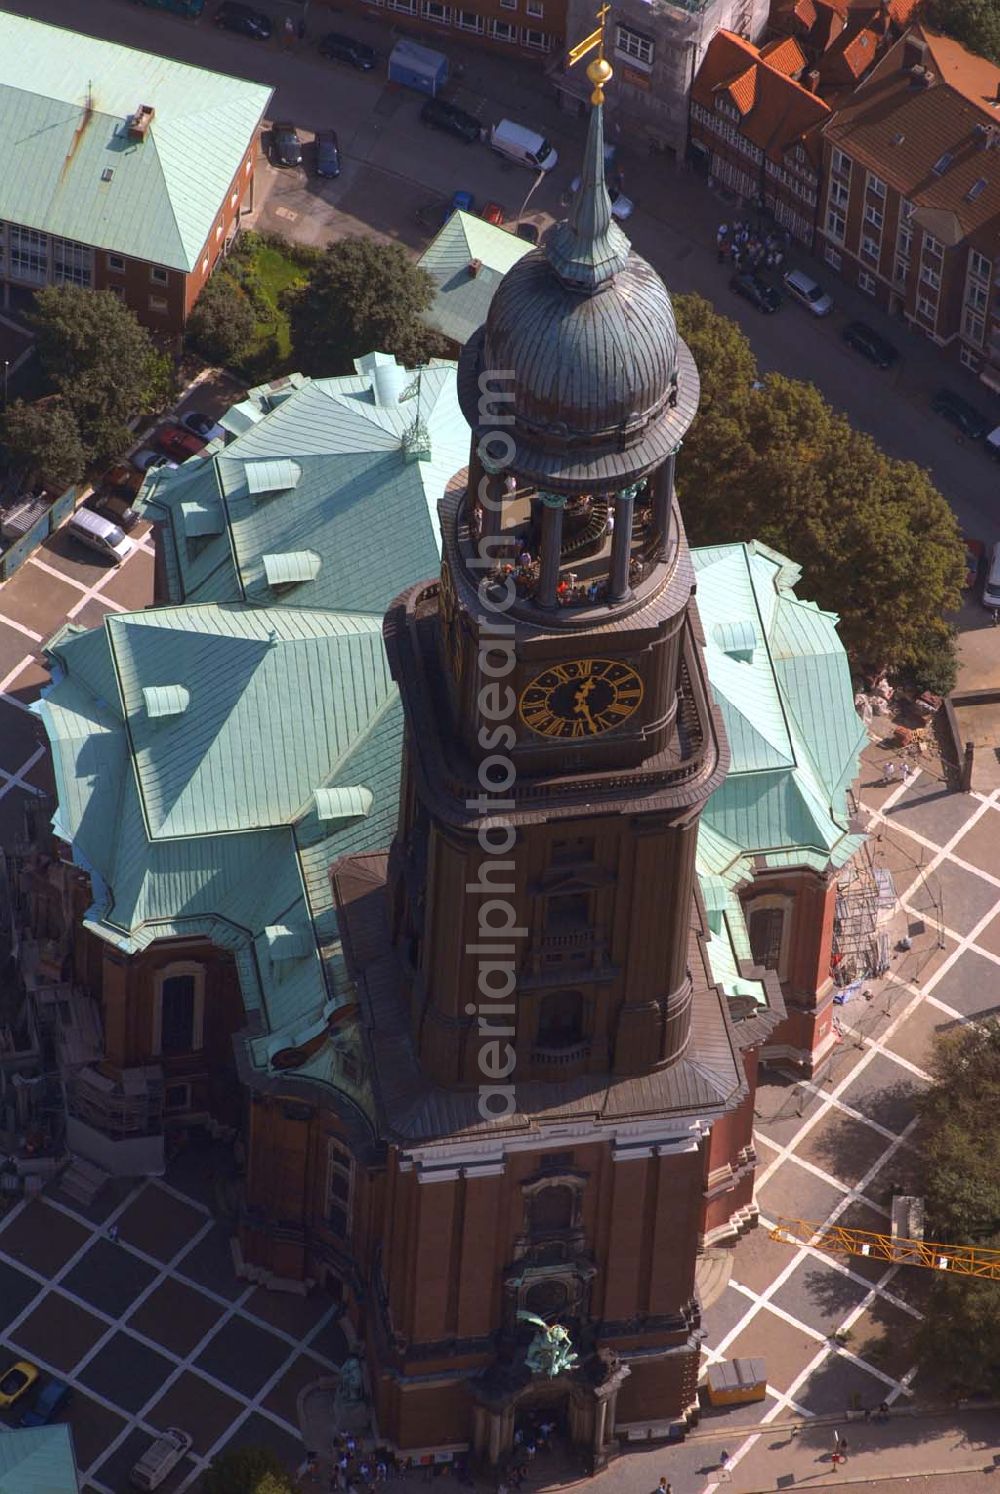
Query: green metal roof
column 357, row 484
column 69, row 167
column 38, row 1460
column 467, row 260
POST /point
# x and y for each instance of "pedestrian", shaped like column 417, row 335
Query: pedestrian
column 287, row 32
column 889, row 772
column 907, row 772
column 842, row 1447
column 663, row 1487
column 113, row 1232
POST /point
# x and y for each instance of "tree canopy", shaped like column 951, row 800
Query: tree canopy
column 768, row 459
column 362, row 297
column 974, row 23
column 103, row 363
column 960, row 1113
column 221, row 327
column 44, row 440
column 247, row 1470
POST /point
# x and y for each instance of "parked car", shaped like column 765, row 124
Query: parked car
column 149, row 461
column 341, row 48
column 805, row 289
column 202, row 425
column 232, row 15
column 492, row 212
column 160, row 1458
column 970, row 421
column 48, row 1403
column 993, row 444
column 870, row 344
column 529, row 232
column 974, row 552
column 439, row 114
column 114, row 508
column 991, row 581
column 17, row 1380
column 622, row 207
column 175, row 442
column 755, row 290
column 286, row 147
column 327, row 153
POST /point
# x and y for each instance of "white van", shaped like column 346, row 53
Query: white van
column 100, row 534
column 159, row 1458
column 523, row 146
column 991, row 586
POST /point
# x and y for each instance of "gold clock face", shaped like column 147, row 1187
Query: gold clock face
column 581, row 698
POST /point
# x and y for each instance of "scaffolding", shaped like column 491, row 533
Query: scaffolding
column 866, row 899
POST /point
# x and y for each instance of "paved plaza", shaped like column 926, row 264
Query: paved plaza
column 135, row 1303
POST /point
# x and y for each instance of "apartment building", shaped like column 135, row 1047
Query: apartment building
column 123, row 171
column 911, row 208
column 513, row 28
column 757, row 130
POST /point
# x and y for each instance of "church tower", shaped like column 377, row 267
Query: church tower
column 550, row 1052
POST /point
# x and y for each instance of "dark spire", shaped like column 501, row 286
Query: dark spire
column 588, row 249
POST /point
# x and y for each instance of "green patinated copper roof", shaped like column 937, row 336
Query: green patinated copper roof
column 337, row 452
column 462, row 298
column 65, row 99
column 37, row 1460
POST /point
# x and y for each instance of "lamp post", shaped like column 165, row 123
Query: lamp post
column 6, row 366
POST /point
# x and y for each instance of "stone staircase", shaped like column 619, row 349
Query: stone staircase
column 82, row 1181
column 265, row 1278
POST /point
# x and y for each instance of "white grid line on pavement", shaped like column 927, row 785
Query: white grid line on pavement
column 17, row 780
column 20, row 628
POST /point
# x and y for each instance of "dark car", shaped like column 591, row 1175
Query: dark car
column 441, row 115
column 755, row 290
column 48, row 1404
column 342, row 48
column 114, row 508
column 870, row 344
column 529, row 232
column 970, row 421
column 243, row 19
column 327, row 153
column 286, row 147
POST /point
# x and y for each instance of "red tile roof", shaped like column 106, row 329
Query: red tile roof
column 933, row 136
column 785, row 55
column 778, row 113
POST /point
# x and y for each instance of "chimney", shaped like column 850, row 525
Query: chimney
column 811, row 80
column 914, row 51
column 138, row 125
column 475, row 265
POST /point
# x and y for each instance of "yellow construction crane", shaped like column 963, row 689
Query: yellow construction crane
column 898, row 1250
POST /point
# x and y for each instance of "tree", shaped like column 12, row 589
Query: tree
column 222, row 325
column 770, row 460
column 44, row 439
column 960, row 1114
column 362, row 297
column 974, row 23
column 247, row 1470
column 98, row 357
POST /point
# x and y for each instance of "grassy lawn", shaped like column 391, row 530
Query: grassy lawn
column 273, row 272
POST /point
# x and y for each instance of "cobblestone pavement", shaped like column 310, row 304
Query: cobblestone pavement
column 134, row 1303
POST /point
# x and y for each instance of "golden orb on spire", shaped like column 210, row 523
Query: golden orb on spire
column 600, row 72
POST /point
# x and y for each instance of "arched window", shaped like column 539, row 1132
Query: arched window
column 551, row 1209
column 766, row 928
column 339, row 1187
column 560, row 1019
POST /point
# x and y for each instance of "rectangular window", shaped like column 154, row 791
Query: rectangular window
column 72, row 264
column 931, row 246
column 767, row 926
column 969, row 360
column 435, row 12
column 157, row 303
column 535, row 8
column 469, row 20
column 873, row 216
column 973, row 326
column 116, row 263
column 876, row 185
column 538, row 41
column 177, row 1097
column 926, row 309
column 904, row 242
column 634, row 46
column 508, row 4
column 905, row 210
column 976, row 296
column 840, row 164
column 900, row 271
column 832, row 258
column 870, row 248
column 339, row 1188
column 930, row 277
column 839, row 193
column 158, row 276
column 836, row 225
column 866, row 282
column 504, row 31
column 116, row 290
column 177, row 1014
column 29, row 255
column 979, row 265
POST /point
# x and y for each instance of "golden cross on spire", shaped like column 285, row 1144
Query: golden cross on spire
column 599, row 71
